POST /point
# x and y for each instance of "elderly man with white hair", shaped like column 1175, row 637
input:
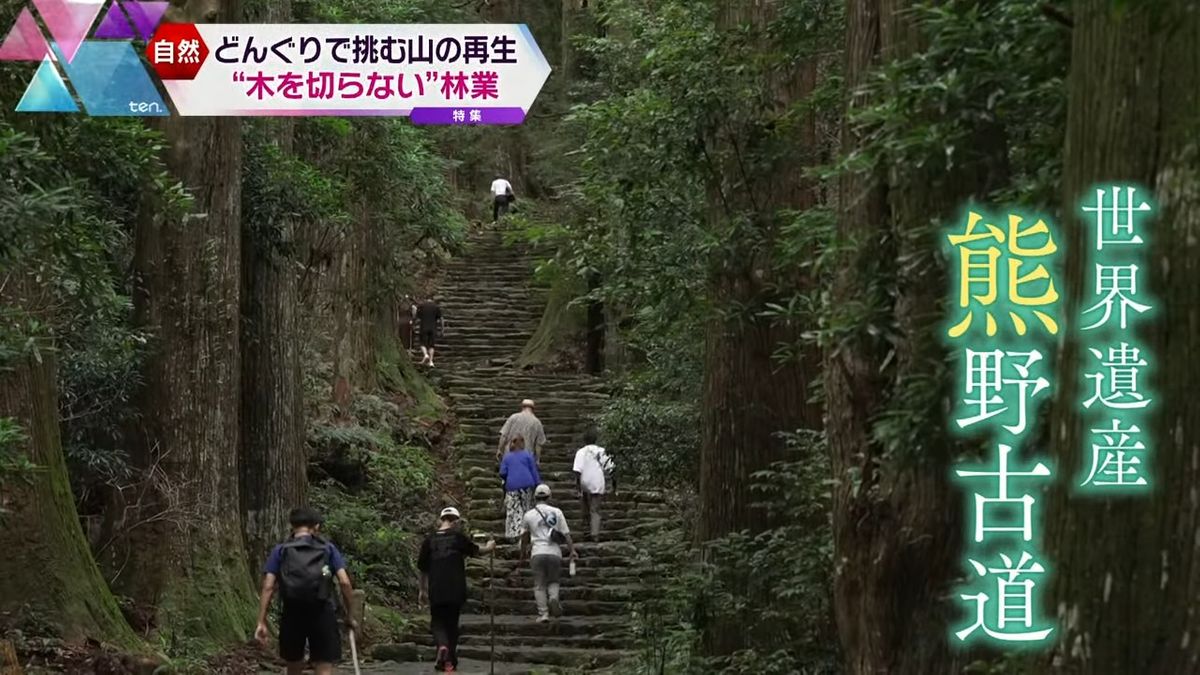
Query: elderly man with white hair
column 526, row 425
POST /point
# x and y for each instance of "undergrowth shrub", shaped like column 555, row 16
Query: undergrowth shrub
column 656, row 443
column 773, row 586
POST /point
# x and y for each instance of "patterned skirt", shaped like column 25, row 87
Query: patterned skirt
column 516, row 504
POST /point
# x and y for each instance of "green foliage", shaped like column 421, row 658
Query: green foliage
column 281, row 192
column 380, row 554
column 773, row 586
column 369, row 485
column 14, row 464
column 995, row 68
column 657, row 442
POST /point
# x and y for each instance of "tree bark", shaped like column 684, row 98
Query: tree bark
column 273, row 460
column 185, row 554
column 897, row 518
column 1128, row 571
column 47, row 571
column 749, row 397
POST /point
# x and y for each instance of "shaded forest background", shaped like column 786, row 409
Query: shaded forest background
column 739, row 206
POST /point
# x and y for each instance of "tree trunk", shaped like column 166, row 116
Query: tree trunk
column 749, row 397
column 273, row 460
column 897, row 518
column 854, row 386
column 1128, row 571
column 185, row 551
column 595, row 328
column 47, row 570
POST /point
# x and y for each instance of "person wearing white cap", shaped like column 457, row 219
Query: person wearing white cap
column 526, row 425
column 545, row 528
column 443, row 583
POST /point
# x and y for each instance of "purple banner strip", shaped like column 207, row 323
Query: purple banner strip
column 467, row 116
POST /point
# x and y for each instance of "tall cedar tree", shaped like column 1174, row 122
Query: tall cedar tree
column 1128, row 569
column 273, row 457
column 185, row 551
column 750, row 397
column 47, row 572
column 897, row 518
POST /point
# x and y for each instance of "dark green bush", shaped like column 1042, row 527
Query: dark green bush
column 773, row 586
column 655, row 443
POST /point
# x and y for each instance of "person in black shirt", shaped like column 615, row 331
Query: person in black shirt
column 442, row 562
column 428, row 318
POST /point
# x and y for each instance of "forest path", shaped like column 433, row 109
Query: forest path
column 491, row 311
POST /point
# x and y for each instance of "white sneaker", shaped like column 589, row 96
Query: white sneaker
column 542, row 618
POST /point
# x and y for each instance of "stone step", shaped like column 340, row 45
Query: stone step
column 520, row 575
column 528, row 607
column 586, row 659
column 568, row 593
column 597, row 561
column 614, row 641
column 507, row 624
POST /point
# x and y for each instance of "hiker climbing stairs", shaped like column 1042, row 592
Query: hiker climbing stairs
column 491, row 311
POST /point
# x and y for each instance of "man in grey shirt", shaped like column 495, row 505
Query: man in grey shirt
column 526, row 425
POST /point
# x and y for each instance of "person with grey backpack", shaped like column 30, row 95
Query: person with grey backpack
column 303, row 570
column 544, row 529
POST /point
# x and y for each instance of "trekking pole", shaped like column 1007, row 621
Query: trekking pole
column 357, row 612
column 354, row 653
column 492, row 607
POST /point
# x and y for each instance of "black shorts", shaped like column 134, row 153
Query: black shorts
column 314, row 625
column 428, row 337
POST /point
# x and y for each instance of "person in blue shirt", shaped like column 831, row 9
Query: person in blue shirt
column 519, row 471
column 303, row 569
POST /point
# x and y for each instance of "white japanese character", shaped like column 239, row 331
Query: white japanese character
column 1119, row 230
column 1118, row 388
column 1014, row 601
column 1024, row 525
column 1116, row 461
column 1117, row 283
column 164, row 52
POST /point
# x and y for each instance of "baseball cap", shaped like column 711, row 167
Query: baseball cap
column 542, row 490
column 527, row 403
column 449, row 512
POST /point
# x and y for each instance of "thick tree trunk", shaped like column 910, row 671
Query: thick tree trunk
column 273, row 460
column 47, row 571
column 749, row 396
column 185, row 553
column 897, row 519
column 1128, row 569
column 854, row 386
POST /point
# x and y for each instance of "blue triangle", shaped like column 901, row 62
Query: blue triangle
column 47, row 92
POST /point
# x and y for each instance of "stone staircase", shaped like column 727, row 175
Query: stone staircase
column 491, row 311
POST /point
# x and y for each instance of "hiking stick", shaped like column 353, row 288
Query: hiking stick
column 492, row 607
column 354, row 653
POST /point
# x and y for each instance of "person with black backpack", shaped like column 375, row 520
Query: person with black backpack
column 303, row 568
column 443, row 583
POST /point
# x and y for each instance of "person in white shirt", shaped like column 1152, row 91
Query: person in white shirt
column 502, row 195
column 542, row 525
column 593, row 469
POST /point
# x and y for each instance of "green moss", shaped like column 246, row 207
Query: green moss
column 563, row 322
column 210, row 607
column 398, row 375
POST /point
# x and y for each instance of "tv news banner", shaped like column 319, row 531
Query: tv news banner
column 469, row 74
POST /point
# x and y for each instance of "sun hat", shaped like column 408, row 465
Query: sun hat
column 542, row 490
column 449, row 512
column 527, row 403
